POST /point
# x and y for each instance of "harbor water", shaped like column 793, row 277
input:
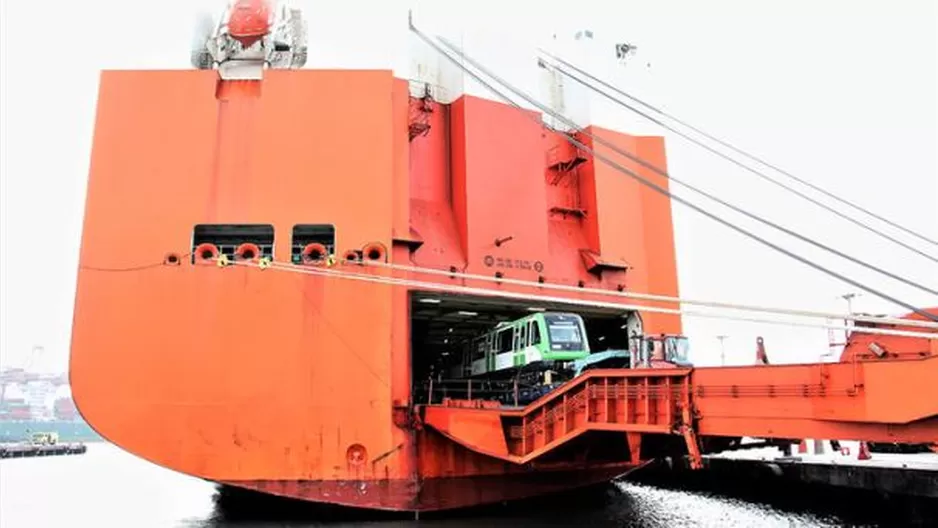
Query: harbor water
column 108, row 487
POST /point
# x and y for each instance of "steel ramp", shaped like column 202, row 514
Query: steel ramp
column 875, row 400
column 624, row 400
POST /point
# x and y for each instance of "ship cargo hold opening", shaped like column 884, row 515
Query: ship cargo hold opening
column 489, row 348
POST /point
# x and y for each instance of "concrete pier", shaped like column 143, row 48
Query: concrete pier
column 911, row 475
column 24, row 450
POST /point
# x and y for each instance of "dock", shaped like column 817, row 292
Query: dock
column 24, row 450
column 885, row 474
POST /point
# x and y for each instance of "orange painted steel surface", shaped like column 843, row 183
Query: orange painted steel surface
column 866, row 345
column 301, row 385
column 599, row 401
column 892, row 400
column 889, row 399
column 239, row 376
column 886, row 401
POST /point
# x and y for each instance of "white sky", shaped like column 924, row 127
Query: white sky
column 842, row 93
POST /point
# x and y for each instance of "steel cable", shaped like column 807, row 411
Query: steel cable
column 743, row 153
column 649, row 297
column 665, row 174
column 466, row 290
column 665, row 192
column 223, row 260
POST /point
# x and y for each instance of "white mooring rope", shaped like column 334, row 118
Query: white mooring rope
column 653, row 297
column 464, row 290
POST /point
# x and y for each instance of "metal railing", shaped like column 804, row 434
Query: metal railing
column 510, row 392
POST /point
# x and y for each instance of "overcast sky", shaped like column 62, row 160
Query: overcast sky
column 842, row 93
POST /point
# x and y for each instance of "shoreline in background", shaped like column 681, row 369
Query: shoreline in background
column 67, row 431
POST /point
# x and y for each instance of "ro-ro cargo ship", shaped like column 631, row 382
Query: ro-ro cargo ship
column 350, row 287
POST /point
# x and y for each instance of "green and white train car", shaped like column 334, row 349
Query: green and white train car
column 543, row 338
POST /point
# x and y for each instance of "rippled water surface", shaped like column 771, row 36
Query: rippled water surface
column 108, row 487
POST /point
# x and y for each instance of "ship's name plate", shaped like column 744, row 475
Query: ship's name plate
column 491, row 261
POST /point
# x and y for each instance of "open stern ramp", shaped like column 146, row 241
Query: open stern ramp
column 629, row 401
column 878, row 401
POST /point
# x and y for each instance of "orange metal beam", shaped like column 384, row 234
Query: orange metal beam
column 895, row 400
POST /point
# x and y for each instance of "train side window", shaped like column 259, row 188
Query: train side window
column 477, row 349
column 535, row 333
column 523, row 341
column 306, row 234
column 505, row 338
column 227, row 237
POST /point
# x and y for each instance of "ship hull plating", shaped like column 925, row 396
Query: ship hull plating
column 436, row 494
column 292, row 383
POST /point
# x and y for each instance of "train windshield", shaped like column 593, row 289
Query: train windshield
column 565, row 331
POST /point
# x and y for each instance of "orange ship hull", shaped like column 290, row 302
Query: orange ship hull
column 304, row 382
column 302, row 385
column 437, row 493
